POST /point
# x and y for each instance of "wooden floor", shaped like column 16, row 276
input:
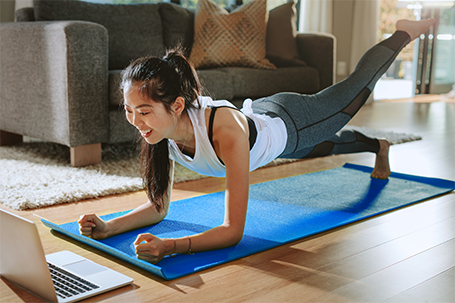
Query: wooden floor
column 407, row 255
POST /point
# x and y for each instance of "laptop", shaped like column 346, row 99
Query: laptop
column 59, row 277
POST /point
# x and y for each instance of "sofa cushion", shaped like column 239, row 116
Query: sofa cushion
column 281, row 34
column 134, row 30
column 120, row 130
column 217, row 83
column 230, row 39
column 178, row 26
column 233, row 83
column 255, row 83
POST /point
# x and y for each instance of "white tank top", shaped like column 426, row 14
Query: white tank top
column 270, row 141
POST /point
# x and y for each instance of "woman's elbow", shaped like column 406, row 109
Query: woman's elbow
column 159, row 212
column 162, row 214
column 235, row 236
column 237, row 239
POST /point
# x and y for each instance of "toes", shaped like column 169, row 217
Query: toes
column 380, row 177
column 415, row 28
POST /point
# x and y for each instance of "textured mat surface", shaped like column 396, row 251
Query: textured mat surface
column 279, row 212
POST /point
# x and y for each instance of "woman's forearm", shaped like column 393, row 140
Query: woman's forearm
column 215, row 238
column 141, row 216
column 144, row 215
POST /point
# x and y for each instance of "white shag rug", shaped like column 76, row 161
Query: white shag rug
column 38, row 174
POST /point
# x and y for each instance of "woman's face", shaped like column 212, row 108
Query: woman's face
column 151, row 118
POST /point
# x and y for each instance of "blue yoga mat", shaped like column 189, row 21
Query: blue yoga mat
column 279, row 212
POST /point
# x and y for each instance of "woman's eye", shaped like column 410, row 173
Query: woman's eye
column 144, row 114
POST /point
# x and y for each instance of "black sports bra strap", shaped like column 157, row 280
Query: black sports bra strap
column 251, row 126
column 212, row 117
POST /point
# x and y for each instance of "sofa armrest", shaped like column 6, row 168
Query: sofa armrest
column 318, row 50
column 54, row 81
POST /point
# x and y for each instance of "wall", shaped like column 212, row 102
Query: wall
column 342, row 25
column 7, row 10
column 23, row 3
column 354, row 23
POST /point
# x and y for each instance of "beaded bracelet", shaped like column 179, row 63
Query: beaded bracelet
column 175, row 248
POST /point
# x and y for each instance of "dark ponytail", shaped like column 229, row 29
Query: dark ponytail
column 161, row 80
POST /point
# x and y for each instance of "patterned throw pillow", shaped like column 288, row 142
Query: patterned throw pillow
column 230, row 39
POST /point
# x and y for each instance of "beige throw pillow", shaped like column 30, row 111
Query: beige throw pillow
column 230, row 39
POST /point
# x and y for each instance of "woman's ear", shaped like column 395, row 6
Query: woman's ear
column 178, row 106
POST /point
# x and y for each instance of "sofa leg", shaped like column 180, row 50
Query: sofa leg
column 7, row 138
column 84, row 155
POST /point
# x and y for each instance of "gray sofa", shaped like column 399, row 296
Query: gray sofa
column 61, row 63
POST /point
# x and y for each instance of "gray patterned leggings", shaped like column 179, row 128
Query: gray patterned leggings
column 313, row 122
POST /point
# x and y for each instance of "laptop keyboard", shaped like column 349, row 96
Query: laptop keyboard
column 66, row 284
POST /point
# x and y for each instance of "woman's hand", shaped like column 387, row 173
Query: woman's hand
column 153, row 250
column 93, row 226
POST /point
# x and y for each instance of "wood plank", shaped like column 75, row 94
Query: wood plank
column 441, row 289
column 392, row 252
column 396, row 279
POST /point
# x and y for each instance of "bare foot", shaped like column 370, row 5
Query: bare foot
column 414, row 28
column 381, row 167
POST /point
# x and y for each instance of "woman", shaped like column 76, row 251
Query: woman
column 162, row 99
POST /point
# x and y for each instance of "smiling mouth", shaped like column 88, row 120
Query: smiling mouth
column 146, row 134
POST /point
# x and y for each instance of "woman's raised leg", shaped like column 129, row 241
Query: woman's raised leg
column 313, row 120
